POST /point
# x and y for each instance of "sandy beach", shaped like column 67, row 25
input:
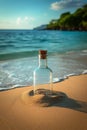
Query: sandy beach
column 20, row 110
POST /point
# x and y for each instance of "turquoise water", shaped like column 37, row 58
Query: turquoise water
column 67, row 52
column 22, row 43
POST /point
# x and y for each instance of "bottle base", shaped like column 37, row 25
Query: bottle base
column 42, row 91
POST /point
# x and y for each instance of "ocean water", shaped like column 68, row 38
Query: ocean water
column 67, row 55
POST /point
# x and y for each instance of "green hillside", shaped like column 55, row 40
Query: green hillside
column 68, row 21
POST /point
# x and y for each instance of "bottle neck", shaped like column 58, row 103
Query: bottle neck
column 42, row 62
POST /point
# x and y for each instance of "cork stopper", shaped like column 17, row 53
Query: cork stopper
column 43, row 54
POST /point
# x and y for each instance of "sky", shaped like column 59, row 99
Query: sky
column 27, row 14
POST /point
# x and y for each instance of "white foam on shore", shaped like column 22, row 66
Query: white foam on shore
column 85, row 51
column 55, row 80
column 84, row 72
column 19, row 73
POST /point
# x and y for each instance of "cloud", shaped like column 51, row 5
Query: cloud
column 31, row 19
column 24, row 20
column 66, row 4
column 18, row 21
column 55, row 6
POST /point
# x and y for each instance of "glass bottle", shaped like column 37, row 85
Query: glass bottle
column 42, row 80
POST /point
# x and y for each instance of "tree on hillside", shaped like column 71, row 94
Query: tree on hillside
column 68, row 21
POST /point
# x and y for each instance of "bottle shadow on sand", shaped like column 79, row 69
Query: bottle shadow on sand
column 60, row 99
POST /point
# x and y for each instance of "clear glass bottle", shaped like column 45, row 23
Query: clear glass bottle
column 42, row 80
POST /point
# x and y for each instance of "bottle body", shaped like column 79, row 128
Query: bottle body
column 42, row 80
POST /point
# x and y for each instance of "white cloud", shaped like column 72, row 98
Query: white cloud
column 66, row 4
column 55, row 6
column 25, row 22
column 26, row 18
column 18, row 23
column 31, row 18
column 19, row 20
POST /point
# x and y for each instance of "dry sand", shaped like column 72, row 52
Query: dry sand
column 20, row 110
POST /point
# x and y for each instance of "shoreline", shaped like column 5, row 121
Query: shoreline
column 19, row 110
column 55, row 80
column 62, row 66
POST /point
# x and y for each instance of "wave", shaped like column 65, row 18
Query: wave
column 25, row 54
column 4, row 88
column 55, row 80
column 16, row 55
column 5, row 46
